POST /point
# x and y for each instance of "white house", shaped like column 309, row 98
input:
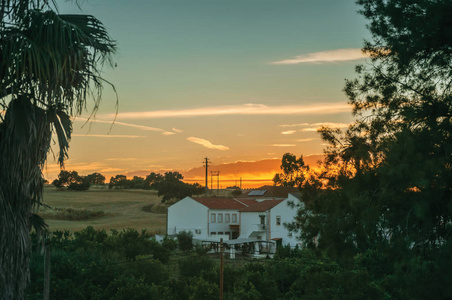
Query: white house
column 265, row 221
column 206, row 217
column 211, row 218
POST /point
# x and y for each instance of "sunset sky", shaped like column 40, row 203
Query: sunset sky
column 233, row 80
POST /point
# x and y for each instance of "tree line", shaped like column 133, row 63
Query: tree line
column 169, row 185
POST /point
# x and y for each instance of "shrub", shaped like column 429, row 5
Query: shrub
column 185, row 240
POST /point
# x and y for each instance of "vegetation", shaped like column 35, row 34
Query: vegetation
column 170, row 185
column 129, row 264
column 50, row 66
column 294, row 171
column 384, row 202
column 71, row 214
column 185, row 240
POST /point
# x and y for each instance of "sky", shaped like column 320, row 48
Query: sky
column 231, row 80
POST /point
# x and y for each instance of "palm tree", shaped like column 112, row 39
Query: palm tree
column 49, row 69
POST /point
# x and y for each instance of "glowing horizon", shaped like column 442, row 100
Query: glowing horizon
column 220, row 79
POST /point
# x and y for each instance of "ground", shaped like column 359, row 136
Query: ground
column 120, row 209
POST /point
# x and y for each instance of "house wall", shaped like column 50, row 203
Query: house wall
column 223, row 226
column 250, row 224
column 287, row 215
column 188, row 215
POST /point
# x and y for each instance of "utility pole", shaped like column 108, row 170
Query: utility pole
column 46, row 293
column 221, row 268
column 206, row 165
column 217, row 174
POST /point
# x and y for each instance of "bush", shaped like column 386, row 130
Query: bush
column 71, row 214
column 185, row 240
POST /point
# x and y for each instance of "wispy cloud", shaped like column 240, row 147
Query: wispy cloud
column 177, row 130
column 121, row 159
column 142, row 127
column 288, row 132
column 110, row 136
column 305, row 140
column 168, row 133
column 244, row 109
column 283, row 145
column 329, row 56
column 328, row 124
column 207, row 143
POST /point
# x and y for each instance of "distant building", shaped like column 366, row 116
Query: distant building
column 271, row 192
column 239, row 218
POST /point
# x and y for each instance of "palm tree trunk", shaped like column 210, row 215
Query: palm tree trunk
column 24, row 141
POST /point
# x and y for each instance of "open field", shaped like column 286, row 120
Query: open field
column 122, row 209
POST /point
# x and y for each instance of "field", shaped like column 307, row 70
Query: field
column 111, row 209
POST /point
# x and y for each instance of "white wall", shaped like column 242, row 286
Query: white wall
column 250, row 222
column 222, row 226
column 188, row 215
column 287, row 215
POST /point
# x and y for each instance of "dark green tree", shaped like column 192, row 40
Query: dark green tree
column 50, row 66
column 152, row 180
column 389, row 176
column 119, row 181
column 96, row 178
column 293, row 171
column 171, row 186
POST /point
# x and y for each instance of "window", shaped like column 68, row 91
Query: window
column 219, row 232
column 278, row 220
column 234, row 218
column 212, row 218
column 227, row 218
column 220, row 218
column 213, row 233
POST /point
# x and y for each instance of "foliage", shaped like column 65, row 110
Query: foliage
column 387, row 192
column 185, row 240
column 96, row 178
column 93, row 264
column 71, row 214
column 294, row 171
column 72, row 181
column 119, row 181
column 50, row 67
column 171, row 186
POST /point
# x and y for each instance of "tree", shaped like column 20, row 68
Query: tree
column 389, row 186
column 66, row 178
column 119, row 181
column 294, row 170
column 152, row 180
column 171, row 186
column 96, row 178
column 50, row 65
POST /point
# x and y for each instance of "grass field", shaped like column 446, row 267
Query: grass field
column 122, row 209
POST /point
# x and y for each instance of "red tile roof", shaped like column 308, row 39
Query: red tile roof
column 220, row 203
column 261, row 206
column 247, row 201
